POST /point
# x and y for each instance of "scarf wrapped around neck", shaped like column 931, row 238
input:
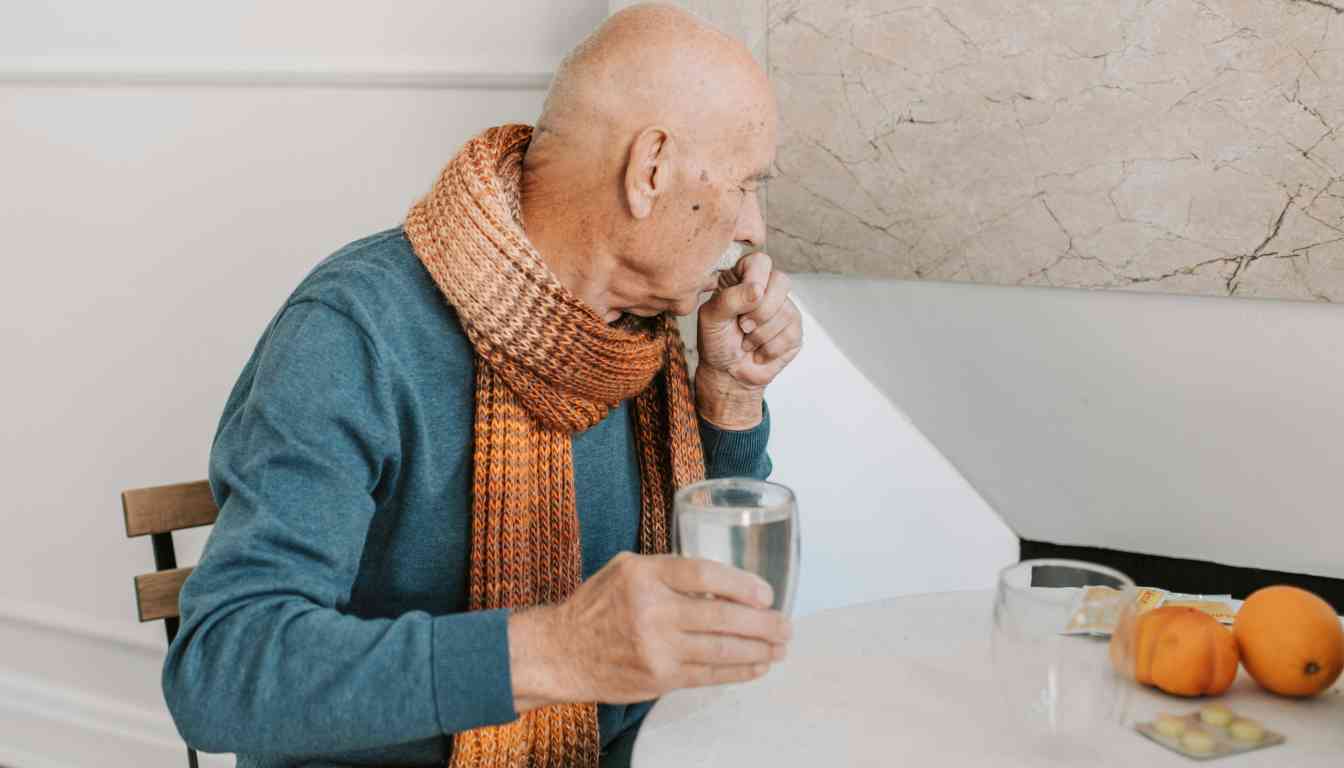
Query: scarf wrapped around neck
column 547, row 366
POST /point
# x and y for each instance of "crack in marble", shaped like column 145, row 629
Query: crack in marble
column 1246, row 261
column 1327, row 135
column 1325, row 192
column 1152, row 143
column 1323, row 4
column 1243, row 33
column 831, row 204
column 1069, row 252
column 848, row 166
column 965, row 38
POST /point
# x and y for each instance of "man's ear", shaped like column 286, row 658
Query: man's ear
column 648, row 170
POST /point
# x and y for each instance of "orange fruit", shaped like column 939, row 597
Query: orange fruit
column 1291, row 641
column 1179, row 650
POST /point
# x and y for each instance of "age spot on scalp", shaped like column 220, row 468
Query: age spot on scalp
column 695, row 207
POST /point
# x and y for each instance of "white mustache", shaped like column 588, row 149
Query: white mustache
column 731, row 255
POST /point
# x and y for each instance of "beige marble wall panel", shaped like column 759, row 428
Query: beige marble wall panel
column 1192, row 146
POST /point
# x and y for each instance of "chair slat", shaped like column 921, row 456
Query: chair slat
column 168, row 508
column 156, row 593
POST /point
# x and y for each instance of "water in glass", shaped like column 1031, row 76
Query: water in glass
column 745, row 523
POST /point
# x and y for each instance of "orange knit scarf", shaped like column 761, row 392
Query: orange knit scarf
column 547, row 366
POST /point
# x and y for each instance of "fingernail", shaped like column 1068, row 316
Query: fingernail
column 760, row 669
column 764, row 593
column 748, row 325
column 780, row 652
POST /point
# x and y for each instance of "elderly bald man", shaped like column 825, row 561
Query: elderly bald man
column 435, row 468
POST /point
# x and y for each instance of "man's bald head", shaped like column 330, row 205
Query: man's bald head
column 654, row 63
column 655, row 136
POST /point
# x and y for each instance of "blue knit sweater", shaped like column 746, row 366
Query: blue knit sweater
column 327, row 622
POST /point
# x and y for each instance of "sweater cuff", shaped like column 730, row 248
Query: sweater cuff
column 737, row 453
column 473, row 685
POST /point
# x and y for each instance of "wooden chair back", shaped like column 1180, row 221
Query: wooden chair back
column 157, row 512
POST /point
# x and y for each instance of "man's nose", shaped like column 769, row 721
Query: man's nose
column 751, row 222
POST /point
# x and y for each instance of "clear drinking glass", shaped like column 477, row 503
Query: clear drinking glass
column 749, row 524
column 1058, row 686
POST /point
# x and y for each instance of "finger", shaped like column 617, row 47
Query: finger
column 695, row 576
column 728, row 303
column 699, row 676
column 721, row 617
column 742, row 289
column 773, row 327
column 754, row 269
column 702, row 648
column 760, row 375
column 775, row 299
column 787, row 339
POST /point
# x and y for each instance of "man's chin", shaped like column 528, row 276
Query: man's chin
column 644, row 313
column 681, row 308
column 686, row 306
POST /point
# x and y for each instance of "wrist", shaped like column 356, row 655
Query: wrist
column 532, row 659
column 725, row 403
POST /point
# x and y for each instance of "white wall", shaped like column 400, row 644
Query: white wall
column 883, row 513
column 1173, row 425
column 151, row 231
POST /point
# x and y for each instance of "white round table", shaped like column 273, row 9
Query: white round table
column 908, row 682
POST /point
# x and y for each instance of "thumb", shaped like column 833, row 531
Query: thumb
column 731, row 302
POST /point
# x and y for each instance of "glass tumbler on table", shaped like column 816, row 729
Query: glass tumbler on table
column 1057, row 685
column 742, row 522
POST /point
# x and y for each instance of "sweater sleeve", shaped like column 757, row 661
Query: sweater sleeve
column 266, row 661
column 737, row 453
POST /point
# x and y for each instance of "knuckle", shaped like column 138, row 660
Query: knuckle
column 640, row 606
column 630, row 578
column 645, row 639
column 702, row 574
column 721, row 614
column 640, row 613
column 756, row 652
column 662, row 671
column 767, row 625
column 648, row 609
column 719, row 647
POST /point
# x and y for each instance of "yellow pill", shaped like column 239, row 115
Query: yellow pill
column 1247, row 731
column 1216, row 714
column 1169, row 725
column 1197, row 742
